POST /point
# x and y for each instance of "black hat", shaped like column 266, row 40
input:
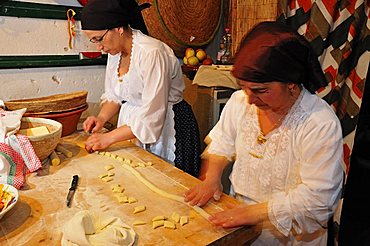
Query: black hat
column 108, row 14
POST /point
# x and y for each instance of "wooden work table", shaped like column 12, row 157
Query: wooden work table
column 41, row 212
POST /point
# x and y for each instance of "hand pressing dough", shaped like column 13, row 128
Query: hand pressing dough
column 169, row 224
column 158, row 223
column 126, row 165
column 109, row 167
column 159, row 217
column 175, row 217
column 139, row 209
column 138, row 222
column 184, row 220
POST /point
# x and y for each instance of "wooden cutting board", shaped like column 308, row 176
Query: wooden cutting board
column 39, row 216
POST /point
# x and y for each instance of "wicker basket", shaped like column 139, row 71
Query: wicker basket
column 43, row 144
column 183, row 23
column 54, row 103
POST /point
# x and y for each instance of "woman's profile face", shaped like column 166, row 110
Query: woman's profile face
column 267, row 96
column 104, row 40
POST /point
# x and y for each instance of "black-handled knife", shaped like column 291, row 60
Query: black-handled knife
column 72, row 190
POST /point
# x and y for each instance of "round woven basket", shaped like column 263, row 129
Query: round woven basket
column 53, row 103
column 43, row 144
column 183, row 23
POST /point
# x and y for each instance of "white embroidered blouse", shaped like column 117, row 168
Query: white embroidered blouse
column 297, row 170
column 151, row 86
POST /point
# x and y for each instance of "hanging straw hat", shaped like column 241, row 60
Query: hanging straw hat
column 183, row 23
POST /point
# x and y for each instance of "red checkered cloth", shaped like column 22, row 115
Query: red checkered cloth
column 30, row 158
column 15, row 176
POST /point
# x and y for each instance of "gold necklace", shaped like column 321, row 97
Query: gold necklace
column 261, row 138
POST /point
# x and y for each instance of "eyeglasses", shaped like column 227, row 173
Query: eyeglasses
column 100, row 39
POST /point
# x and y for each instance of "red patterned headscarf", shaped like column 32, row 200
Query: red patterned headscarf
column 272, row 51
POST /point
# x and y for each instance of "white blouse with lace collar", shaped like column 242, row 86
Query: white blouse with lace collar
column 151, row 86
column 297, row 170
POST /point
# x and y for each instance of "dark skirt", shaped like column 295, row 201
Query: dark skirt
column 187, row 153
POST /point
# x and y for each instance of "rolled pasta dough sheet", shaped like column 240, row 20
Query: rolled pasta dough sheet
column 94, row 228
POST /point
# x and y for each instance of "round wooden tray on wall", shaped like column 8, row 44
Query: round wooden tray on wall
column 183, row 23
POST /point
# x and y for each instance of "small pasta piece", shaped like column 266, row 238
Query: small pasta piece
column 184, row 220
column 157, row 223
column 149, row 163
column 118, row 190
column 159, row 217
column 139, row 209
column 132, row 199
column 115, row 186
column 107, row 179
column 175, row 217
column 169, row 224
column 110, row 173
column 140, row 164
column 122, row 199
column 133, row 164
column 119, row 158
column 101, row 176
column 138, row 222
column 109, row 167
column 120, row 195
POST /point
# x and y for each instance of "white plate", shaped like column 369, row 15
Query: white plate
column 14, row 192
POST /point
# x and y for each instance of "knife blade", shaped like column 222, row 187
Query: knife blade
column 72, row 190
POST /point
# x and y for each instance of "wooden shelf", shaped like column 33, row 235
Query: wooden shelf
column 37, row 10
column 34, row 61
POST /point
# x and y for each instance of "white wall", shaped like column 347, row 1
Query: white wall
column 30, row 36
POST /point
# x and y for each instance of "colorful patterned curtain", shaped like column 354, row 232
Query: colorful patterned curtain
column 339, row 32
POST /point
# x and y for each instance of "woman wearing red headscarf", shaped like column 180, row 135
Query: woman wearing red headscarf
column 286, row 143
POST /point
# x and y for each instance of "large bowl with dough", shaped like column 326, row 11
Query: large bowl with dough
column 8, row 198
column 43, row 144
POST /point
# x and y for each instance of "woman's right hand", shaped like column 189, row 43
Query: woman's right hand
column 93, row 124
column 202, row 193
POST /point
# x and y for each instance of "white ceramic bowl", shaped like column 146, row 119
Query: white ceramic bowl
column 14, row 192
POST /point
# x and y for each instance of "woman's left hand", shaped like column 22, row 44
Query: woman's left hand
column 241, row 215
column 98, row 141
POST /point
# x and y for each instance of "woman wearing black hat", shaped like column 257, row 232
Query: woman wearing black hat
column 144, row 83
column 286, row 143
